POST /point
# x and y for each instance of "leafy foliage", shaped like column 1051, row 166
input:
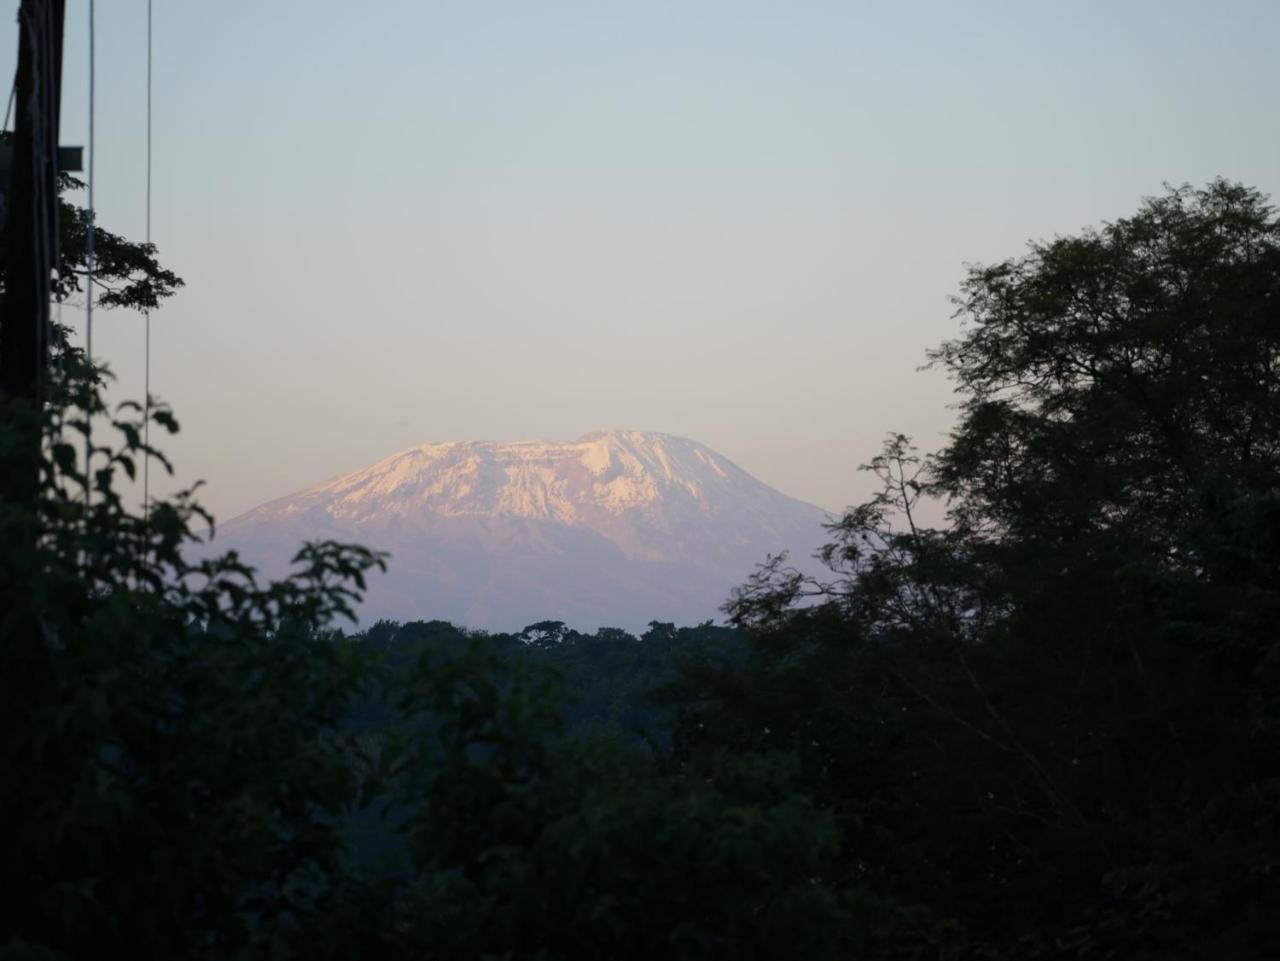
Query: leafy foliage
column 125, row 273
column 172, row 761
column 1049, row 726
column 1044, row 730
column 524, row 843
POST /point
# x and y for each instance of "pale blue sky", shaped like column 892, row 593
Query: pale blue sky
column 735, row 221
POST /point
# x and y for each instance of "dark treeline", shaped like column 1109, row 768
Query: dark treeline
column 606, row 682
column 1045, row 728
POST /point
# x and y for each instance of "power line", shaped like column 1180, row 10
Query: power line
column 8, row 111
column 146, row 314
column 88, row 300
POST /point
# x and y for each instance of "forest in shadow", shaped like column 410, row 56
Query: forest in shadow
column 1047, row 727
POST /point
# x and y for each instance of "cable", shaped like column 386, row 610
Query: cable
column 88, row 256
column 146, row 314
column 8, row 111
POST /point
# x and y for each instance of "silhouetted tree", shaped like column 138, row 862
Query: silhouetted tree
column 1049, row 727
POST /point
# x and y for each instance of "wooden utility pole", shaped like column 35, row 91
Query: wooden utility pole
column 30, row 225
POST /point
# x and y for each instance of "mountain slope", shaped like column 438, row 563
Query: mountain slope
column 616, row 528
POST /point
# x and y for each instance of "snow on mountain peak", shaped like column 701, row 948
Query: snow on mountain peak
column 616, row 527
column 610, row 471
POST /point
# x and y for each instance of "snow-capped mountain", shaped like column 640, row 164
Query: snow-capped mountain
column 613, row 529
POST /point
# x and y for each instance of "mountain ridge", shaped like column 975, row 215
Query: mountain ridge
column 598, row 526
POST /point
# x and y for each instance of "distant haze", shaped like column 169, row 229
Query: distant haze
column 733, row 220
column 615, row 529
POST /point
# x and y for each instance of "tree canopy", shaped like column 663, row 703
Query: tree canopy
column 1044, row 729
column 1050, row 723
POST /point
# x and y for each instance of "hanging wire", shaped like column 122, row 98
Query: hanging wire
column 13, row 89
column 146, row 314
column 88, row 300
column 45, row 149
column 8, row 111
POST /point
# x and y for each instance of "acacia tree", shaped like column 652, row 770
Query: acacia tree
column 1122, row 414
column 1109, row 375
column 1082, row 663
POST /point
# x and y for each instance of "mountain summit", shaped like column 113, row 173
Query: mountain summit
column 613, row 529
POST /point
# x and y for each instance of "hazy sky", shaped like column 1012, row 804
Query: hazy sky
column 735, row 221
